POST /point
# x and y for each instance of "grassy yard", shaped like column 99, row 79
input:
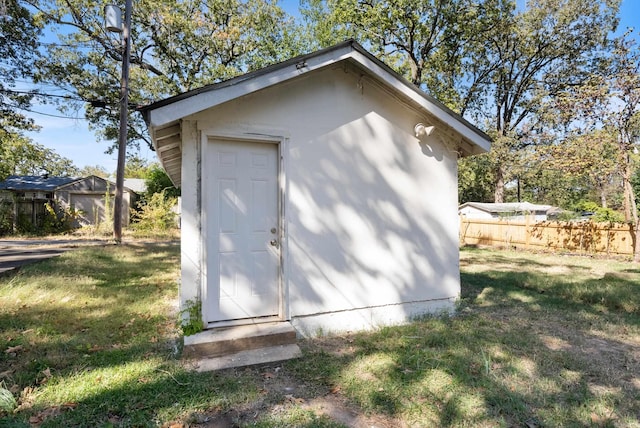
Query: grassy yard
column 88, row 339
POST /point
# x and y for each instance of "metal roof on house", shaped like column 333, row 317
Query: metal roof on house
column 163, row 117
column 35, row 182
column 138, row 185
column 507, row 207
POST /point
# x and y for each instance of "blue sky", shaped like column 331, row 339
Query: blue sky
column 72, row 139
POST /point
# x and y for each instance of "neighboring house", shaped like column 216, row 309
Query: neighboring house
column 27, row 196
column 24, row 197
column 509, row 210
column 320, row 191
column 88, row 195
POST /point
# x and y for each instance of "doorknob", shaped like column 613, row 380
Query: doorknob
column 274, row 243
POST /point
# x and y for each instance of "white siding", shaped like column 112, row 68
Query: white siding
column 190, row 244
column 371, row 228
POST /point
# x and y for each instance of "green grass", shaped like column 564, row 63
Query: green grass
column 89, row 339
column 94, row 338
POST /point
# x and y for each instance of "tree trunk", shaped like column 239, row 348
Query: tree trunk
column 631, row 208
column 603, row 197
column 634, row 215
column 626, row 203
column 498, row 196
column 636, row 249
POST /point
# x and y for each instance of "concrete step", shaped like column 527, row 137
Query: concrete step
column 231, row 340
column 250, row 357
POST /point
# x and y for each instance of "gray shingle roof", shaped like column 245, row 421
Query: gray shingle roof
column 34, row 182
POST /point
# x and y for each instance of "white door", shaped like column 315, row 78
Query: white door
column 242, row 230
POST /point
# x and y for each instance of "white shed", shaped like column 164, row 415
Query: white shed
column 320, row 191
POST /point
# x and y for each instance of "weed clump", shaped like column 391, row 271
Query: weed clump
column 7, row 400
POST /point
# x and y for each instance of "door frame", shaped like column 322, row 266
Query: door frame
column 280, row 142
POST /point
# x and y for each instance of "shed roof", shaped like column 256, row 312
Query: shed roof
column 95, row 177
column 507, row 207
column 163, row 117
column 35, row 182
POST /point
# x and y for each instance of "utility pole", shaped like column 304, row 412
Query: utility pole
column 110, row 11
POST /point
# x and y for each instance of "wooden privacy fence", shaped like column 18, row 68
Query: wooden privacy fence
column 579, row 237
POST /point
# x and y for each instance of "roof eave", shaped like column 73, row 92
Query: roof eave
column 172, row 109
column 166, row 114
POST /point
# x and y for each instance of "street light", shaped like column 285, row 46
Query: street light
column 113, row 19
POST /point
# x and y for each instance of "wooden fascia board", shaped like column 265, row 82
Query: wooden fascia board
column 167, row 132
column 168, row 143
column 176, row 177
column 173, row 162
column 169, row 152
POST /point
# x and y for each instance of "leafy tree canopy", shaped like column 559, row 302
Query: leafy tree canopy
column 19, row 34
column 97, row 170
column 136, row 167
column 176, row 46
column 21, row 156
column 547, row 47
column 491, row 61
column 435, row 44
column 157, row 181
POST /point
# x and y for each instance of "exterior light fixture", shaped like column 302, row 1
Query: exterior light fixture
column 422, row 130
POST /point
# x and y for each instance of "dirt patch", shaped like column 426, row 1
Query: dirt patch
column 282, row 393
column 331, row 406
column 340, row 411
column 554, row 343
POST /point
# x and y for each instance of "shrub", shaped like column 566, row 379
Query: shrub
column 158, row 181
column 157, row 215
column 601, row 214
column 567, row 216
column 190, row 318
column 58, row 219
column 6, row 218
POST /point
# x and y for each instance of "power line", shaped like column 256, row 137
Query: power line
column 96, row 103
column 66, row 45
column 31, row 82
column 40, row 94
column 53, row 115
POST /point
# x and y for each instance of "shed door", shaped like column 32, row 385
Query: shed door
column 241, row 215
column 91, row 207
